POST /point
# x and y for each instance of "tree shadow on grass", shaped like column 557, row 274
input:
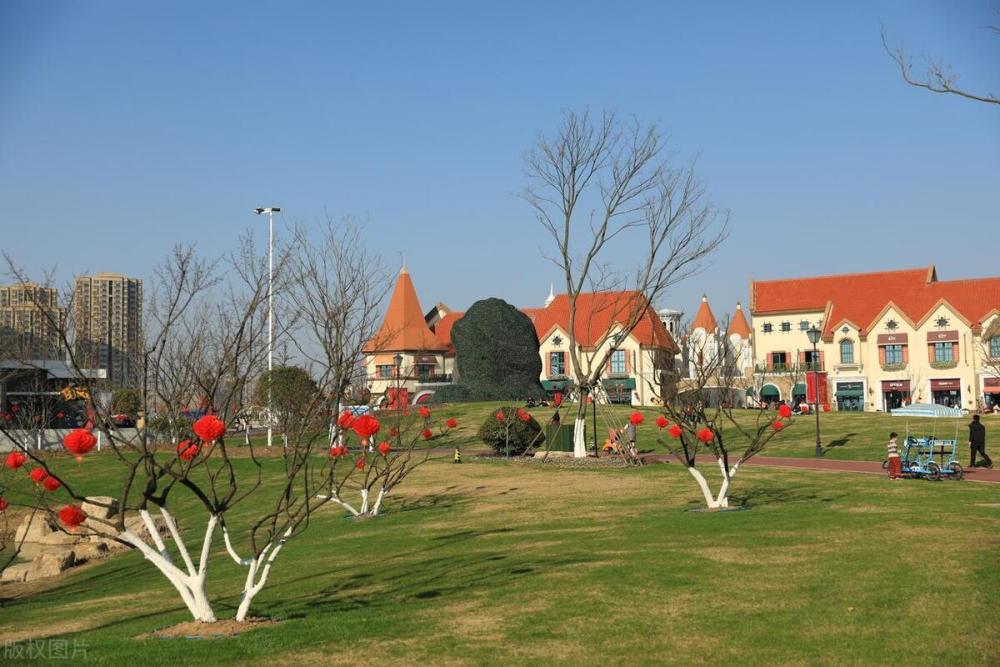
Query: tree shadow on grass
column 839, row 442
column 761, row 496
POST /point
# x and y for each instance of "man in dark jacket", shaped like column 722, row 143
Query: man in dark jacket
column 977, row 443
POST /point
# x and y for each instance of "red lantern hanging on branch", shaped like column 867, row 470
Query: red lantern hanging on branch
column 345, row 420
column 51, row 483
column 636, row 418
column 337, row 451
column 425, row 412
column 384, row 448
column 784, row 411
column 366, row 426
column 15, row 460
column 777, row 426
column 187, row 450
column 426, row 434
column 79, row 441
column 209, row 428
column 72, row 516
column 360, row 464
column 38, row 475
column 451, row 422
column 523, row 415
column 706, row 435
column 675, row 431
column 500, row 416
column 662, row 422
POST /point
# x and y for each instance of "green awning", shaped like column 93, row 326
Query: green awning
column 769, row 390
column 555, row 385
column 750, row 392
column 799, row 389
column 849, row 393
column 615, row 383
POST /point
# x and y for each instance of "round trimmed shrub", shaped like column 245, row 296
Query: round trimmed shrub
column 522, row 434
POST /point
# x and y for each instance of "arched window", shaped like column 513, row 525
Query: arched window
column 846, row 352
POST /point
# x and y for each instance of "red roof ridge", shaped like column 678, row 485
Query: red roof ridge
column 929, row 271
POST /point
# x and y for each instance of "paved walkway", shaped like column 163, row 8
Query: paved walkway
column 988, row 475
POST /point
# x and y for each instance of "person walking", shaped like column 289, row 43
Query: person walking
column 977, row 443
column 895, row 467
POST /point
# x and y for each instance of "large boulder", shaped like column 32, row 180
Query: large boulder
column 51, row 563
column 35, row 528
column 91, row 551
column 100, row 507
column 16, row 573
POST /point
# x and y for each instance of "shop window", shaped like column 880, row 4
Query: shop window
column 893, row 354
column 846, row 352
column 618, row 362
column 943, row 352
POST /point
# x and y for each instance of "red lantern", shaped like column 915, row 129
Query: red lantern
column 675, row 431
column 360, row 464
column 777, row 426
column 425, row 412
column 337, row 451
column 500, row 416
column 209, row 428
column 451, row 423
column 3, row 504
column 15, row 460
column 706, row 435
column 345, row 420
column 662, row 422
column 523, row 415
column 557, row 398
column 785, row 411
column 636, row 418
column 187, row 450
column 51, row 483
column 366, row 426
column 384, row 448
column 79, row 441
column 37, row 475
column 426, row 433
column 72, row 516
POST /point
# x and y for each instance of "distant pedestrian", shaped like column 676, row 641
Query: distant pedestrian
column 977, row 443
column 895, row 467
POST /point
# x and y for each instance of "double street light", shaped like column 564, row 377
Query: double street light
column 270, row 210
column 814, row 335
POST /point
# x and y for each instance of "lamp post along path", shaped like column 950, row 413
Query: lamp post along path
column 814, row 335
column 270, row 210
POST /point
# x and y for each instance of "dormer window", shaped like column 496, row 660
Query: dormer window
column 845, row 330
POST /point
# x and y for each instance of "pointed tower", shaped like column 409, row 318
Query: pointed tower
column 704, row 318
column 404, row 328
column 739, row 326
column 552, row 295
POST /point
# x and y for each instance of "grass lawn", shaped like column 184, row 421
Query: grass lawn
column 845, row 435
column 501, row 563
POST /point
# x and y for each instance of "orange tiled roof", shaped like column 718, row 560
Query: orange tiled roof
column 442, row 328
column 704, row 318
column 596, row 312
column 861, row 298
column 739, row 325
column 404, row 328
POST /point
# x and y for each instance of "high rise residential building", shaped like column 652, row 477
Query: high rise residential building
column 30, row 323
column 107, row 323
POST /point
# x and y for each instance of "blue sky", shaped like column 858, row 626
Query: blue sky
column 125, row 127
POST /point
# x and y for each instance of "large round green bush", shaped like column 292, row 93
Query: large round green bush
column 511, row 431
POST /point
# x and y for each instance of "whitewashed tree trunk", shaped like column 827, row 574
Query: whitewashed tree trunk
column 580, row 437
column 258, row 570
column 190, row 584
column 720, row 500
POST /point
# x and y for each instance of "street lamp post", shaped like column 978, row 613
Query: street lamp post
column 814, row 335
column 399, row 379
column 270, row 210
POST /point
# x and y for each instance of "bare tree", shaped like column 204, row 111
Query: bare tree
column 938, row 76
column 604, row 189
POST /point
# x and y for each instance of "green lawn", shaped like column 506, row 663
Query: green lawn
column 500, row 563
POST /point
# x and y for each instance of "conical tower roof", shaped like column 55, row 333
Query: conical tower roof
column 704, row 318
column 739, row 325
column 404, row 328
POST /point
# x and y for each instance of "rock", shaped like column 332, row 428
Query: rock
column 51, row 563
column 60, row 538
column 100, row 507
column 91, row 551
column 135, row 524
column 17, row 572
column 34, row 528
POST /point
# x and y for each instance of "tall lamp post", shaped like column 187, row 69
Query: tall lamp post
column 399, row 379
column 814, row 335
column 270, row 210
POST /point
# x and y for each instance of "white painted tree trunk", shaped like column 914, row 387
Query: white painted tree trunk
column 190, row 584
column 720, row 500
column 580, row 437
column 258, row 570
